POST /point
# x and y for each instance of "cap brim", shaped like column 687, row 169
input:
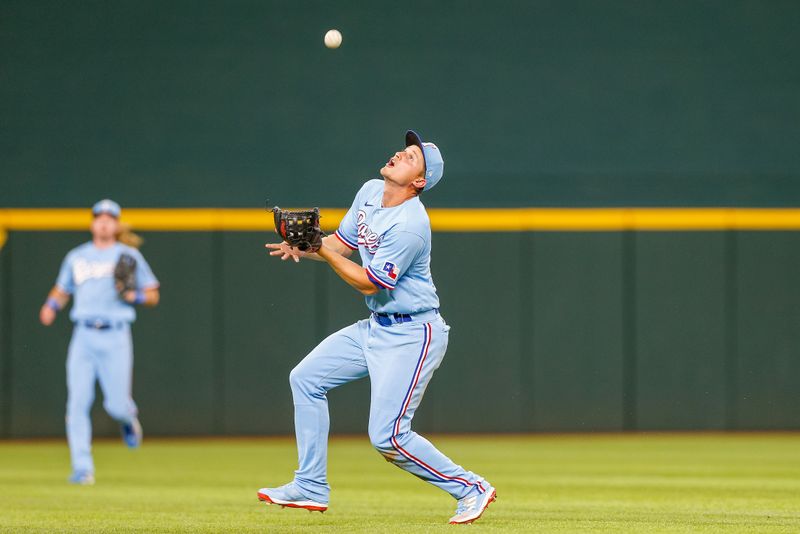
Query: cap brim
column 413, row 138
column 105, row 212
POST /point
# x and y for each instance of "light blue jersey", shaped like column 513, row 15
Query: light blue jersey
column 87, row 273
column 395, row 248
column 399, row 347
column 103, row 352
column 399, row 351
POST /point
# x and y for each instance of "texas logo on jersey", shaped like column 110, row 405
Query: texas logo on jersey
column 391, row 270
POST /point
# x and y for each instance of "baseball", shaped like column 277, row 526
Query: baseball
column 333, row 39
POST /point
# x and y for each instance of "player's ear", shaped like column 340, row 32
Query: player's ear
column 420, row 182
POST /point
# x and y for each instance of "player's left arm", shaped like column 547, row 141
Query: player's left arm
column 147, row 291
column 397, row 252
column 149, row 296
column 349, row 271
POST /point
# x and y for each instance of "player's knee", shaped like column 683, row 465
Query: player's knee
column 78, row 404
column 383, row 444
column 118, row 410
column 299, row 380
column 296, row 378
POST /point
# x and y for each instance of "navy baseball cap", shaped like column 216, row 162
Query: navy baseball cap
column 434, row 164
column 106, row 206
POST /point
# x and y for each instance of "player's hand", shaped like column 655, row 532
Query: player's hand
column 285, row 251
column 129, row 297
column 47, row 315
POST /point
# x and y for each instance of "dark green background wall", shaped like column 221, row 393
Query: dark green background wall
column 534, row 103
column 570, row 332
column 573, row 102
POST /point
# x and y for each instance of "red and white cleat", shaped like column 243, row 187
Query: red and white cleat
column 471, row 508
column 289, row 497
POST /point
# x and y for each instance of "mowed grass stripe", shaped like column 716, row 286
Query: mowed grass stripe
column 546, row 483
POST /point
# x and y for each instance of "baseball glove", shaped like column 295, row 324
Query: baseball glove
column 300, row 229
column 125, row 274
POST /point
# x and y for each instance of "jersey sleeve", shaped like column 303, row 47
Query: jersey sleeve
column 65, row 281
column 145, row 279
column 347, row 232
column 396, row 254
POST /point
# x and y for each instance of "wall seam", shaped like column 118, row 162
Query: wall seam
column 731, row 330
column 527, row 331
column 5, row 343
column 218, row 331
column 629, row 368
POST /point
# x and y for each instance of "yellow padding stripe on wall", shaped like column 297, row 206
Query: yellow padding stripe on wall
column 442, row 219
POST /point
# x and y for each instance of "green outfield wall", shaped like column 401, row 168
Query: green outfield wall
column 554, row 331
column 563, row 319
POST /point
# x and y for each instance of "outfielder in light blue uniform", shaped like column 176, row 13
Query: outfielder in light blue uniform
column 101, row 347
column 399, row 346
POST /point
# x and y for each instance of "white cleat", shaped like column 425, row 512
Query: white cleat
column 471, row 508
column 81, row 478
column 289, row 497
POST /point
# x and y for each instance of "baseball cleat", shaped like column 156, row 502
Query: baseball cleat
column 82, row 478
column 132, row 433
column 471, row 508
column 289, row 496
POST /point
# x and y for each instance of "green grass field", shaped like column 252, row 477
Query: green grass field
column 545, row 483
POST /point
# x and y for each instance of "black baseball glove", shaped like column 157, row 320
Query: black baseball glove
column 125, row 275
column 300, row 229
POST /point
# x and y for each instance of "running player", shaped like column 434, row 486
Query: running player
column 101, row 347
column 399, row 346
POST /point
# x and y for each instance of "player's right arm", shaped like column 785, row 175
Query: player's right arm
column 285, row 251
column 59, row 295
column 56, row 300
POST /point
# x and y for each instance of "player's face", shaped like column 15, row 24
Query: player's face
column 405, row 167
column 104, row 227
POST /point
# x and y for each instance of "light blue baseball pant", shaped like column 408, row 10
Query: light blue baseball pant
column 400, row 360
column 107, row 356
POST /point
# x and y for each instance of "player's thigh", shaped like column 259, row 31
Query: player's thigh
column 81, row 372
column 338, row 359
column 401, row 365
column 115, row 366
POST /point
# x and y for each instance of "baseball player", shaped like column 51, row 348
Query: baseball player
column 101, row 347
column 399, row 346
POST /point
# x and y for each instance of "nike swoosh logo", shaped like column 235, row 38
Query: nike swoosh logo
column 368, row 204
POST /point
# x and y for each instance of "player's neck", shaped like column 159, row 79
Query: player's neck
column 102, row 243
column 394, row 195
